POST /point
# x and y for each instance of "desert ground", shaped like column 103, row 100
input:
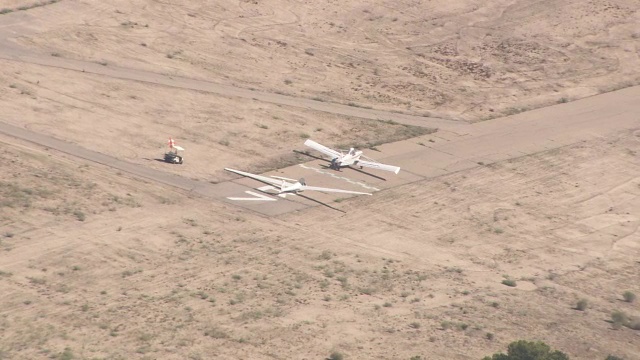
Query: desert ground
column 98, row 263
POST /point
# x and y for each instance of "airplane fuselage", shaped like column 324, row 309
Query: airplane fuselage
column 290, row 188
column 350, row 158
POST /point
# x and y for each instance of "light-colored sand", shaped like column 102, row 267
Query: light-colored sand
column 108, row 266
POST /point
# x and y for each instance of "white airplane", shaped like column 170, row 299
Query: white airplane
column 352, row 157
column 294, row 186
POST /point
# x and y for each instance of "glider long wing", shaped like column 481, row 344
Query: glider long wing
column 265, row 179
column 379, row 166
column 323, row 149
column 315, row 188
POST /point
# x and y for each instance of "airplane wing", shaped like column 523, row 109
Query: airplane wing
column 379, row 166
column 265, row 179
column 315, row 188
column 323, row 149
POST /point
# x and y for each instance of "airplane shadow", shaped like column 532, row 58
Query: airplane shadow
column 368, row 173
column 321, row 203
column 308, row 198
column 309, row 155
column 160, row 160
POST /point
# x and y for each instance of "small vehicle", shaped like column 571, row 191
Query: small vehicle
column 172, row 156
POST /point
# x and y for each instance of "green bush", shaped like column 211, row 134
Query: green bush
column 629, row 296
column 582, row 305
column 528, row 350
column 618, row 319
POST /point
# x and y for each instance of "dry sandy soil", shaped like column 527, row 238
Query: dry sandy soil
column 454, row 59
column 133, row 121
column 97, row 265
column 114, row 268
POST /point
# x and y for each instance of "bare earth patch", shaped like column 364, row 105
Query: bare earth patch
column 156, row 275
column 446, row 59
column 94, row 264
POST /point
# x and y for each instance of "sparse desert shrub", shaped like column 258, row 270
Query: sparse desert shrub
column 37, row 281
column 582, row 305
column 67, row 354
column 618, row 319
column 79, row 215
column 414, row 325
column 367, row 290
column 529, row 350
column 613, row 357
column 336, row 356
column 629, row 296
column 489, row 336
column 509, row 282
column 216, row 333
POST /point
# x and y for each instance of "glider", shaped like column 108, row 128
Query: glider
column 285, row 185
